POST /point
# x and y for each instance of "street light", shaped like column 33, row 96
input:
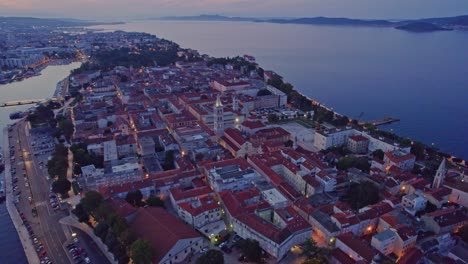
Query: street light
column 73, row 234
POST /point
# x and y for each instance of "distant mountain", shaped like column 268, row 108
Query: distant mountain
column 207, row 18
column 331, row 21
column 448, row 21
column 442, row 23
column 421, row 27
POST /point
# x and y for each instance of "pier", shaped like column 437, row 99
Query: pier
column 21, row 102
column 383, row 121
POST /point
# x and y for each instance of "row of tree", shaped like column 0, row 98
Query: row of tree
column 57, row 168
column 113, row 230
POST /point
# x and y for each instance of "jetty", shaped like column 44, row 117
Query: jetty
column 383, row 121
column 21, row 102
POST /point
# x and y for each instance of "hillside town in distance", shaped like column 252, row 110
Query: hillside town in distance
column 164, row 155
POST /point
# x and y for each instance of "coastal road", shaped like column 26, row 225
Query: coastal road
column 46, row 227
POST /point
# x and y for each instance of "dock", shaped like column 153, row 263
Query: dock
column 383, row 121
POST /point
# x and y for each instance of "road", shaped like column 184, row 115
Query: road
column 45, row 226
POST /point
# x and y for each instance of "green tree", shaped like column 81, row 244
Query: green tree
column 272, row 118
column 251, row 250
column 101, row 229
column 91, row 201
column 61, row 186
column 378, row 154
column 263, row 92
column 67, row 128
column 169, row 160
column 141, row 252
column 361, row 194
column 81, row 213
column 463, row 233
column 211, row 257
column 289, row 143
column 418, row 150
column 313, row 252
column 155, row 201
column 134, row 198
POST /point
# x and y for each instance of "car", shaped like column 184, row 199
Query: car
column 76, row 257
column 205, row 249
column 76, row 253
column 87, row 260
column 71, row 250
column 70, row 245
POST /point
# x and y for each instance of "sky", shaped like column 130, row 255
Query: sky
column 133, row 9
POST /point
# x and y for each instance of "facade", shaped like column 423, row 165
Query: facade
column 399, row 159
column 325, row 139
column 384, row 241
column 357, row 144
column 413, row 203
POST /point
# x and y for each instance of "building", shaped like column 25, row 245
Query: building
column 384, row 241
column 276, row 230
column 400, row 159
column 172, row 240
column 406, row 238
column 325, row 139
column 447, row 220
column 357, row 144
column 234, row 175
column 147, row 146
column 355, row 248
column 413, row 203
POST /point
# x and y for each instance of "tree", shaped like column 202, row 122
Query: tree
column 155, row 201
column 67, row 128
column 361, row 194
column 141, row 252
column 263, row 92
column 353, row 162
column 418, row 150
column 169, row 160
column 82, row 215
column 378, row 154
column 251, row 250
column 61, row 186
column 272, row 118
column 211, row 257
column 101, row 230
column 314, row 253
column 91, row 201
column 289, row 143
column 463, row 233
column 134, row 198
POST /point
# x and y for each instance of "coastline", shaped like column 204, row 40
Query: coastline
column 26, row 241
column 38, row 71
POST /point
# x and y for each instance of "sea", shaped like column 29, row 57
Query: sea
column 38, row 87
column 366, row 73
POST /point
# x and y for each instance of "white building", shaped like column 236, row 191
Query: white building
column 413, row 203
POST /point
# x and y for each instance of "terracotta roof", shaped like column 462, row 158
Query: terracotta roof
column 411, row 257
column 359, row 246
column 162, row 229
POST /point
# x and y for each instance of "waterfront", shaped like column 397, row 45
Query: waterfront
column 42, row 86
column 421, row 79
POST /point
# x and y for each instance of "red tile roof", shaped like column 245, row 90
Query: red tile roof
column 359, row 246
column 162, row 229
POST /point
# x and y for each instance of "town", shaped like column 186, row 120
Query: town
column 165, row 155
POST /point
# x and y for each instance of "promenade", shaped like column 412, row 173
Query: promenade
column 26, row 242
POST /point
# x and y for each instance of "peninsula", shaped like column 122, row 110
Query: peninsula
column 159, row 154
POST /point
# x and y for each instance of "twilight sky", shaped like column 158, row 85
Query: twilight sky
column 128, row 9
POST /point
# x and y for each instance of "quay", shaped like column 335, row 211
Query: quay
column 383, row 121
column 21, row 102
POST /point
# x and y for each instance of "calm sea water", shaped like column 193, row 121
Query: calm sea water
column 42, row 86
column 420, row 78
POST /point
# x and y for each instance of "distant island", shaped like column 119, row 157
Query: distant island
column 415, row 25
column 51, row 22
column 422, row 27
